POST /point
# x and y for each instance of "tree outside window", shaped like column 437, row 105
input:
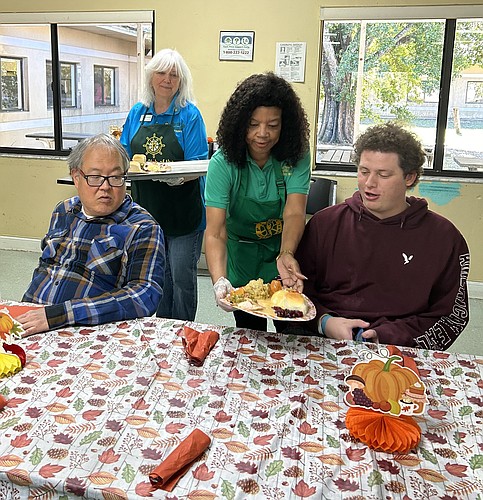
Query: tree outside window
column 11, row 84
column 375, row 71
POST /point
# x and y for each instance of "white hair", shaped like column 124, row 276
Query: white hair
column 166, row 60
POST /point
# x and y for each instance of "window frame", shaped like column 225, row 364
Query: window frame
column 447, row 13
column 474, row 103
column 54, row 20
column 74, row 84
column 114, row 98
column 20, row 84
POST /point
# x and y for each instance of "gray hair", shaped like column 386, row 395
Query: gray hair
column 76, row 158
column 165, row 60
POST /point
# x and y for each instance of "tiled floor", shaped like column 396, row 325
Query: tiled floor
column 16, row 270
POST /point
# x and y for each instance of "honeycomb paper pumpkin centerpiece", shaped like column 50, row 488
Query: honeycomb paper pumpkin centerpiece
column 385, row 390
column 12, row 356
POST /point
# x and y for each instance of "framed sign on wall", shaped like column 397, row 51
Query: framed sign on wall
column 290, row 61
column 236, row 45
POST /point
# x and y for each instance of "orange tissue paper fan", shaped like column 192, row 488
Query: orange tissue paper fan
column 383, row 432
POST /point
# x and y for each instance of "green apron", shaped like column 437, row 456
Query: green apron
column 178, row 209
column 254, row 231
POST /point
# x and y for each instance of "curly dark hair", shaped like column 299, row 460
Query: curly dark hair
column 392, row 138
column 266, row 89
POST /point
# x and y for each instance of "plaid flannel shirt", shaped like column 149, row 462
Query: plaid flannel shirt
column 99, row 270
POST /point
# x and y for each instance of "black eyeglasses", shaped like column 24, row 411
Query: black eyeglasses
column 98, row 180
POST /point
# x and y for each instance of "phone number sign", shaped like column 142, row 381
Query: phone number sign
column 236, row 45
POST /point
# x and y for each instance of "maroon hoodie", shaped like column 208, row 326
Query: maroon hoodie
column 405, row 275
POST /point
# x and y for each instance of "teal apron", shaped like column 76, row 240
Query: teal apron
column 178, row 209
column 254, row 231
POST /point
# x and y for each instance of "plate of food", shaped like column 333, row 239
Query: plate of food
column 139, row 164
column 271, row 300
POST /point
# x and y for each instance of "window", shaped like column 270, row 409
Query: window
column 373, row 69
column 68, row 84
column 474, row 92
column 11, row 87
column 49, row 63
column 104, row 86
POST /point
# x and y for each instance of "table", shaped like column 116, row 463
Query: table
column 343, row 154
column 335, row 155
column 48, row 140
column 96, row 409
column 470, row 162
column 190, row 168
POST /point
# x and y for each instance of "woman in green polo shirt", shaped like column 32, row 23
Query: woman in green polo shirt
column 256, row 189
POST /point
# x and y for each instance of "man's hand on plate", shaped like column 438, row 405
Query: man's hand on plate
column 34, row 321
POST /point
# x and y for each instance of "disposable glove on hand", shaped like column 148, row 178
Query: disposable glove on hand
column 172, row 182
column 222, row 288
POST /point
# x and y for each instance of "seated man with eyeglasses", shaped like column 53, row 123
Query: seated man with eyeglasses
column 103, row 256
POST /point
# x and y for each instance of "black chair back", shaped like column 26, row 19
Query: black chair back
column 322, row 194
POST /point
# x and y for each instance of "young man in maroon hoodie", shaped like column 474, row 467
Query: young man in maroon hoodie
column 381, row 261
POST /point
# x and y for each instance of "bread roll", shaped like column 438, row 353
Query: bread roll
column 140, row 158
column 135, row 166
column 289, row 299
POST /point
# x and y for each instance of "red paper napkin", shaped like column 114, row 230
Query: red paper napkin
column 3, row 402
column 177, row 463
column 198, row 345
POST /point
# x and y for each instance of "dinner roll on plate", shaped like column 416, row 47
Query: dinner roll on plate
column 135, row 166
column 139, row 158
column 291, row 300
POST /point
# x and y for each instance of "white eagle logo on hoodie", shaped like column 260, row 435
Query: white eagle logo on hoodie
column 407, row 258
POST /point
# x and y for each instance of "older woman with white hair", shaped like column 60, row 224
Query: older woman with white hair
column 166, row 125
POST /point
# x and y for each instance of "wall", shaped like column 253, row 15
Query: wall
column 28, row 190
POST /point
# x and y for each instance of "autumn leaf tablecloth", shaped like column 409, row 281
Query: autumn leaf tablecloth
column 95, row 410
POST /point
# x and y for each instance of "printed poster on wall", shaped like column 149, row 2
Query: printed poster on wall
column 236, row 45
column 290, row 61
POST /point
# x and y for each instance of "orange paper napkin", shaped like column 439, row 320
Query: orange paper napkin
column 177, row 463
column 16, row 311
column 3, row 402
column 407, row 361
column 198, row 345
column 382, row 431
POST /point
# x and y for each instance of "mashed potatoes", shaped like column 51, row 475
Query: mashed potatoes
column 253, row 290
